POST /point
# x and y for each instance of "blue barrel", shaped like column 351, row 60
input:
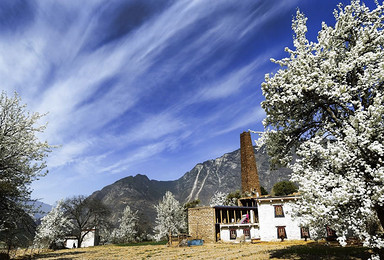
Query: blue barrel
column 196, row 242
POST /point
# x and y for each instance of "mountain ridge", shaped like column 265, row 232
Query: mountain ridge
column 201, row 182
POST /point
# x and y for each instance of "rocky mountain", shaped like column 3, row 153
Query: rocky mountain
column 139, row 192
column 40, row 208
column 221, row 174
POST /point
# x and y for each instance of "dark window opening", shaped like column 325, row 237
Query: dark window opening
column 304, row 233
column 247, row 233
column 331, row 234
column 217, row 232
column 232, row 234
column 281, row 232
column 279, row 213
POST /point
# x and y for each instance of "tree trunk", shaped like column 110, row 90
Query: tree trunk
column 170, row 238
column 380, row 214
column 380, row 252
column 79, row 241
column 4, row 256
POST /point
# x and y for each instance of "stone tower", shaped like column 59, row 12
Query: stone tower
column 249, row 175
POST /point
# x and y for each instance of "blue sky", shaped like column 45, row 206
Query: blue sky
column 147, row 86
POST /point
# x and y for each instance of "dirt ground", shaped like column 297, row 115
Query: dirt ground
column 262, row 250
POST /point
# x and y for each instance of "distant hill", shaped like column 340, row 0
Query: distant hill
column 41, row 208
column 221, row 174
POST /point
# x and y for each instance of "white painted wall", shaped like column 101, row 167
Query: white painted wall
column 268, row 222
column 255, row 233
column 89, row 239
column 225, row 233
column 69, row 242
column 266, row 230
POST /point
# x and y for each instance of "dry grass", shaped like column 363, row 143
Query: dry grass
column 262, row 250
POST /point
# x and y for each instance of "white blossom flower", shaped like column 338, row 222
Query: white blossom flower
column 326, row 103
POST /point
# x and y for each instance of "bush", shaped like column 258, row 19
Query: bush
column 283, row 188
column 263, row 191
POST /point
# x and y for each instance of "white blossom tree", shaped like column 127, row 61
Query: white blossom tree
column 170, row 217
column 54, row 226
column 327, row 104
column 128, row 227
column 22, row 156
column 22, row 160
column 218, row 199
column 225, row 199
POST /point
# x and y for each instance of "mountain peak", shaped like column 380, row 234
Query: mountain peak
column 220, row 174
column 141, row 177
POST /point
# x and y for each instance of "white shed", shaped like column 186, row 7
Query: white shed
column 92, row 238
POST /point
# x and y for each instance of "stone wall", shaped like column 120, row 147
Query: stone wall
column 201, row 223
column 249, row 175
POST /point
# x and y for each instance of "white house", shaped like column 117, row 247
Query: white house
column 263, row 218
column 70, row 242
column 92, row 238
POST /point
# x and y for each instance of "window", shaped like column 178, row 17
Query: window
column 232, row 234
column 279, row 213
column 331, row 234
column 247, row 233
column 281, row 232
column 304, row 232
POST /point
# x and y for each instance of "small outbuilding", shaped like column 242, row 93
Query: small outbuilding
column 91, row 238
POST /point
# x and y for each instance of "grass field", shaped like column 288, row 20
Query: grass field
column 262, row 250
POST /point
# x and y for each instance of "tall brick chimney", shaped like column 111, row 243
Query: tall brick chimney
column 249, row 175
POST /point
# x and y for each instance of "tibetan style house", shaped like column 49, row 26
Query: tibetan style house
column 256, row 217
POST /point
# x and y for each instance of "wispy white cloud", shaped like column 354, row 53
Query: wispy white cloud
column 172, row 78
column 137, row 156
column 154, row 127
column 67, row 153
column 246, row 121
